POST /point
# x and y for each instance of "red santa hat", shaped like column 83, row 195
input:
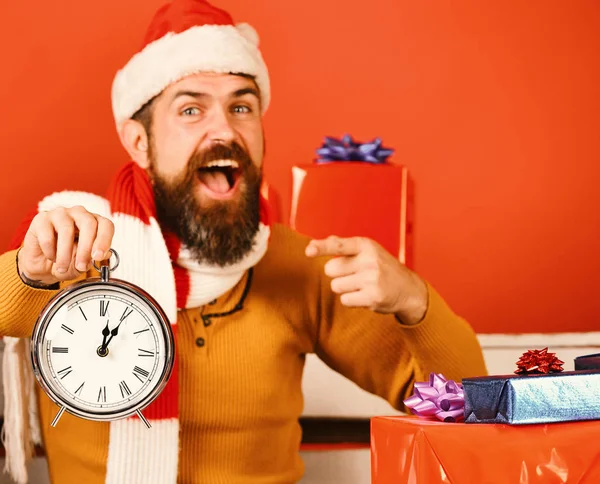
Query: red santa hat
column 186, row 37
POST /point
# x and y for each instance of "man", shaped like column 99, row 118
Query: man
column 248, row 300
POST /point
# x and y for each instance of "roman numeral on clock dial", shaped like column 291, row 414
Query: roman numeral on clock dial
column 126, row 313
column 143, row 352
column 125, row 391
column 60, row 349
column 103, row 307
column 64, row 372
column 102, row 395
column 66, row 328
column 137, row 371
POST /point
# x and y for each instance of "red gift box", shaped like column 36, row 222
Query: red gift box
column 409, row 450
column 355, row 199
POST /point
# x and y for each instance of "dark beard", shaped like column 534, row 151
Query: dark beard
column 222, row 233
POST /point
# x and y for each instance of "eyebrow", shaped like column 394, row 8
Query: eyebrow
column 199, row 95
column 246, row 90
column 195, row 94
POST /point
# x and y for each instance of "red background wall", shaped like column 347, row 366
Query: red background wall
column 493, row 106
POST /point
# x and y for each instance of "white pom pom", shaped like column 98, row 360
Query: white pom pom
column 248, row 32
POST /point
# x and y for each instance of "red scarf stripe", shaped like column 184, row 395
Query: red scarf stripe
column 182, row 286
column 131, row 193
column 182, row 277
column 173, row 245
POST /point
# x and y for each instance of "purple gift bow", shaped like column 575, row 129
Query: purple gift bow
column 347, row 149
column 438, row 398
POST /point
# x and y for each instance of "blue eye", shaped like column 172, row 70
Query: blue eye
column 190, row 111
column 241, row 109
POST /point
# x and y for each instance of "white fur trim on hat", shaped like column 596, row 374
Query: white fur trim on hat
column 248, row 32
column 205, row 48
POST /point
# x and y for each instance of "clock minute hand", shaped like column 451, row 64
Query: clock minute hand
column 105, row 333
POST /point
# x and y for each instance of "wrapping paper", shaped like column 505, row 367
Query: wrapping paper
column 355, row 199
column 535, row 398
column 409, row 450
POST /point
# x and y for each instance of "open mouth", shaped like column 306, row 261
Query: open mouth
column 220, row 176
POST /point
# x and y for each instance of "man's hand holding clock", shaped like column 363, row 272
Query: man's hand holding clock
column 83, row 378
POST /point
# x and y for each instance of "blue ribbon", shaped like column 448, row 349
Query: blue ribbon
column 347, row 149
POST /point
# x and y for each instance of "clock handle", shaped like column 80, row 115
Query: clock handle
column 58, row 415
column 106, row 270
column 143, row 419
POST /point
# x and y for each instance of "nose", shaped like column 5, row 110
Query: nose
column 220, row 130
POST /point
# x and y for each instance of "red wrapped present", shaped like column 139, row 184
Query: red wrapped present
column 352, row 190
column 411, row 450
column 355, row 199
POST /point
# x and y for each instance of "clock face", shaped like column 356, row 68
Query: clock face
column 102, row 351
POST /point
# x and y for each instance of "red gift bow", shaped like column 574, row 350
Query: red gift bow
column 538, row 361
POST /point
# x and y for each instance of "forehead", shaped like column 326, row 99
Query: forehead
column 213, row 84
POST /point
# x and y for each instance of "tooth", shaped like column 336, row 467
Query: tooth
column 233, row 164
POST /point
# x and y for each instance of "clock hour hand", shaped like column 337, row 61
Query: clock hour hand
column 113, row 333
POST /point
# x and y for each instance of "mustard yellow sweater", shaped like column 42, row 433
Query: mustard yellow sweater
column 240, row 375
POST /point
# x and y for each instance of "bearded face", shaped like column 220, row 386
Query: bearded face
column 218, row 229
column 202, row 142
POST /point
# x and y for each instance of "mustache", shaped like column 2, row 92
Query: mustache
column 232, row 151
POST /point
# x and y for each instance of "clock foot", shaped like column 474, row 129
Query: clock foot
column 143, row 419
column 58, row 415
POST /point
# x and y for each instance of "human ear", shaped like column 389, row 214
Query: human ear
column 135, row 140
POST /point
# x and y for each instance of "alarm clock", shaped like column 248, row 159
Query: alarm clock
column 102, row 349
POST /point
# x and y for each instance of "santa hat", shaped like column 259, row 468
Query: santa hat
column 186, row 37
